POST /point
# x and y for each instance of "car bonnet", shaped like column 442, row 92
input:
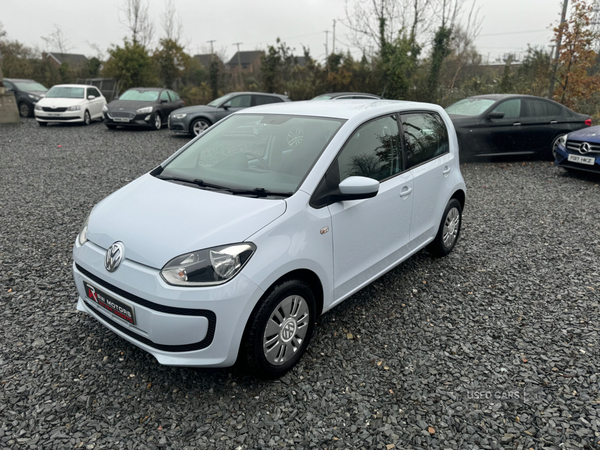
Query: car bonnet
column 158, row 220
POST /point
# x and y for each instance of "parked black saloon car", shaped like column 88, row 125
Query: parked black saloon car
column 142, row 107
column 509, row 124
column 27, row 94
column 195, row 119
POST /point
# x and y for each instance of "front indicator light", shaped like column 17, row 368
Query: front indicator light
column 208, row 267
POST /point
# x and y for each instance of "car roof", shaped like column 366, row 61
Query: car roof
column 342, row 109
column 342, row 94
column 146, row 89
column 74, row 85
column 19, row 79
column 503, row 96
column 256, row 93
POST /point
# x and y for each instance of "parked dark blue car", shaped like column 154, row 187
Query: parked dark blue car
column 579, row 150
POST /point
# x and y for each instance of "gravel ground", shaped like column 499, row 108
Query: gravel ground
column 512, row 311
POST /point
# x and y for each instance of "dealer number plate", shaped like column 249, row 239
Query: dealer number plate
column 120, row 309
column 582, row 159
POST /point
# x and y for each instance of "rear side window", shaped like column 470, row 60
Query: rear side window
column 373, row 151
column 174, row 95
column 542, row 108
column 264, row 100
column 164, row 96
column 241, row 101
column 510, row 108
column 425, row 137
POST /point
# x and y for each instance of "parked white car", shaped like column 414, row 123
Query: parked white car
column 233, row 246
column 70, row 103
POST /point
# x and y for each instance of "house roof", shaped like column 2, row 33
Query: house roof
column 206, row 59
column 69, row 58
column 245, row 58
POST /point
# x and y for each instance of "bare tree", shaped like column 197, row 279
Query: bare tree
column 171, row 22
column 134, row 16
column 57, row 41
column 464, row 38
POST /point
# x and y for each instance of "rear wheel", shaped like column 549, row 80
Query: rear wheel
column 555, row 143
column 24, row 109
column 449, row 230
column 279, row 331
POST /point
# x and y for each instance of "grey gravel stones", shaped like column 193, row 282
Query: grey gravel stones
column 515, row 306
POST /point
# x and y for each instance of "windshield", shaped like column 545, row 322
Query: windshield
column 323, row 97
column 65, row 92
column 470, row 106
column 271, row 154
column 30, row 86
column 218, row 101
column 139, row 95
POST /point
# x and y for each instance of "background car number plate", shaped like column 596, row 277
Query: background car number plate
column 121, row 119
column 117, row 307
column 53, row 114
column 582, row 159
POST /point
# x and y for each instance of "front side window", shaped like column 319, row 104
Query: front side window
column 241, row 101
column 373, row 151
column 510, row 108
column 425, row 137
column 65, row 92
column 250, row 152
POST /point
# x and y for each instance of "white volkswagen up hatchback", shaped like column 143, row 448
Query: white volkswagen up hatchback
column 233, row 246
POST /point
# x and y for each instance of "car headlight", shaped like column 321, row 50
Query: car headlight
column 74, row 108
column 104, row 108
column 82, row 236
column 38, row 107
column 147, row 109
column 178, row 116
column 35, row 97
column 208, row 267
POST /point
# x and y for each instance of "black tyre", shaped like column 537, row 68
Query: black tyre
column 87, row 119
column 198, row 126
column 24, row 109
column 279, row 331
column 157, row 122
column 111, row 127
column 449, row 230
column 43, row 124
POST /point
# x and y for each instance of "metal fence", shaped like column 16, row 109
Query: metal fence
column 107, row 86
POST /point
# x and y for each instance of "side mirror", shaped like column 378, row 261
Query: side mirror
column 91, row 97
column 495, row 115
column 226, row 106
column 162, row 100
column 358, row 188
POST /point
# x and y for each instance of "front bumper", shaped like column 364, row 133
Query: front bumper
column 179, row 126
column 128, row 119
column 196, row 327
column 59, row 117
column 562, row 160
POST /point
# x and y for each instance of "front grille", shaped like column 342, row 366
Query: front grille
column 574, row 146
column 45, row 108
column 127, row 115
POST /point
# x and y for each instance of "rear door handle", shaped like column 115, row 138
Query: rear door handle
column 553, row 122
column 446, row 170
column 517, row 124
column 405, row 191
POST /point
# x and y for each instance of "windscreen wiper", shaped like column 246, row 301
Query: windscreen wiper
column 260, row 192
column 199, row 183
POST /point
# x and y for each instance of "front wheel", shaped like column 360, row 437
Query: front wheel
column 279, row 331
column 87, row 119
column 24, row 109
column 557, row 140
column 157, row 121
column 449, row 230
column 198, row 126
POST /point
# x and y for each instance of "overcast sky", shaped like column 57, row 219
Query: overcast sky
column 507, row 25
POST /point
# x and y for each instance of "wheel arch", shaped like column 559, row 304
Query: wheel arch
column 461, row 197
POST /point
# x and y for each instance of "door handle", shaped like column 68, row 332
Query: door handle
column 405, row 192
column 553, row 122
column 446, row 170
column 517, row 124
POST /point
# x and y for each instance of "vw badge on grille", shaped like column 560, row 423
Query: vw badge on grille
column 114, row 256
column 584, row 148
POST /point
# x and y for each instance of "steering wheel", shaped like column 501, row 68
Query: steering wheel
column 260, row 159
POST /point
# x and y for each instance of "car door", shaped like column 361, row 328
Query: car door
column 542, row 123
column 176, row 101
column 234, row 104
column 371, row 235
column 427, row 150
column 94, row 105
column 505, row 135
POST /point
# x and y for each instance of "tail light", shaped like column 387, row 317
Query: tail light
column 588, row 122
